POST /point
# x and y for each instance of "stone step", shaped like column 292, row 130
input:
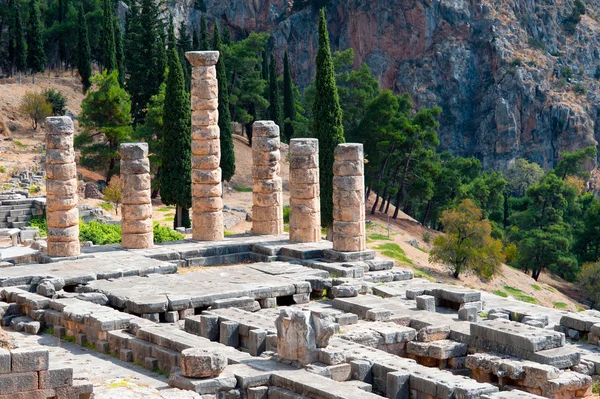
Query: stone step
column 218, row 260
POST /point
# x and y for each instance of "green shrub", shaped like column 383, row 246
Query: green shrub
column 394, row 251
column 107, row 206
column 560, row 305
column 537, row 43
column 40, row 223
column 536, row 287
column 165, row 234
column 286, row 214
column 58, row 102
column 519, row 295
column 426, row 237
column 243, row 189
column 579, row 89
column 100, row 233
column 2, row 169
column 566, row 72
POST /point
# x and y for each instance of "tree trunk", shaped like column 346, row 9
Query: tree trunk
column 179, row 216
column 536, row 274
column 19, row 77
column 387, row 207
column 368, row 194
column 33, row 74
column 155, row 192
column 375, row 204
column 383, row 196
column 455, row 274
column 393, row 184
column 426, row 213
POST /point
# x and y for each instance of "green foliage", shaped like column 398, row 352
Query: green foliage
column 500, row 293
column 521, row 175
column 426, row 237
column 84, row 66
column 588, row 280
column 107, row 206
column 165, row 234
column 109, row 51
column 57, row 101
column 40, row 223
column 204, row 45
column 227, row 153
column 394, row 251
column 327, row 120
column 243, row 189
column 184, row 44
column 519, row 295
column 36, row 54
column 274, row 99
column 566, row 72
column 537, row 43
column 378, row 237
column 573, row 163
column 106, row 121
column 20, row 47
column 570, row 23
column 100, row 233
column 579, row 89
column 200, row 6
column 467, row 244
column 176, row 156
column 536, row 287
column 560, row 305
column 119, row 51
column 35, row 106
column 286, row 214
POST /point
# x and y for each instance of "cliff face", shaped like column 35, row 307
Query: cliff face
column 496, row 67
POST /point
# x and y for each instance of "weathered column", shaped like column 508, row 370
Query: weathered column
column 136, row 211
column 305, row 205
column 61, row 187
column 267, row 197
column 207, row 204
column 349, row 198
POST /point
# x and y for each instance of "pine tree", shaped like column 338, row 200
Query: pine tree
column 109, row 51
column 20, row 55
column 227, row 154
column 176, row 172
column 120, row 55
column 204, row 45
column 36, row 55
column 84, row 65
column 274, row 100
column 289, row 102
column 327, row 121
column 195, row 41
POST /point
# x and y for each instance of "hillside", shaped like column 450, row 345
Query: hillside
column 512, row 82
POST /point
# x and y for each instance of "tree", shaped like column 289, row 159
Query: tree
column 109, row 51
column 119, row 54
column 184, row 44
column 327, row 126
column 227, row 153
column 35, row 106
column 84, row 65
column 20, row 51
column 467, row 244
column 195, row 41
column 274, row 100
column 106, row 121
column 57, row 101
column 289, row 102
column 226, row 36
column 36, row 55
column 521, row 175
column 114, row 192
column 572, row 163
column 588, row 280
column 203, row 46
column 176, row 156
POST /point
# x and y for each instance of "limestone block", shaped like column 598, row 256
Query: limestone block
column 206, row 162
column 133, row 151
column 266, row 144
column 59, row 141
column 60, row 125
column 60, row 204
column 29, row 359
column 206, row 147
column 209, row 204
column 305, row 235
column 62, row 188
column 266, row 158
column 208, row 226
column 205, row 89
column 205, row 132
column 304, row 161
column 268, row 227
column 348, row 183
column 265, row 129
column 135, row 167
column 66, row 171
column 302, row 217
column 348, row 152
column 204, row 72
column 206, row 176
column 67, row 234
column 199, row 104
column 205, row 117
column 63, row 248
column 261, row 214
column 202, row 58
column 137, row 182
column 136, row 197
column 433, row 333
column 140, row 226
column 348, row 244
column 304, row 176
column 206, row 190
column 266, row 172
column 136, row 212
column 267, row 186
column 201, row 363
column 307, row 191
column 324, row 326
column 348, row 168
column 349, row 229
column 295, row 336
column 59, row 156
column 348, row 214
column 63, row 219
column 267, row 199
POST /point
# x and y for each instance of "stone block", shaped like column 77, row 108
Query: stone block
column 209, row 327
column 398, row 385
column 426, row 302
column 340, row 372
column 29, row 359
column 468, row 313
column 102, row 346
column 5, row 366
column 150, row 363
column 55, row 378
column 202, row 363
column 229, row 333
column 18, row 382
column 258, row 393
column 257, row 342
column 126, row 355
column 433, row 333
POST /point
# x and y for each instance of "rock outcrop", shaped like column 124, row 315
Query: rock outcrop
column 510, row 81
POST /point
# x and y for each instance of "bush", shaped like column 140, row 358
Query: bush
column 510, row 253
column 536, row 43
column 426, row 237
column 2, row 169
column 579, row 89
column 165, row 234
column 35, row 106
column 57, row 101
column 40, row 223
column 286, row 214
column 572, row 20
column 566, row 72
column 100, row 233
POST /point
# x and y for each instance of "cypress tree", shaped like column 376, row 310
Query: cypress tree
column 226, row 36
column 120, row 55
column 176, row 156
column 171, row 40
column 20, row 56
column 84, row 65
column 264, row 71
column 227, row 154
column 36, row 55
column 289, row 102
column 195, row 41
column 327, row 121
column 204, row 45
column 274, row 100
column 162, row 61
column 184, row 44
column 109, row 51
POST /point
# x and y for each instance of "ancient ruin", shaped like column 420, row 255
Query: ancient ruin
column 137, row 206
column 207, row 204
column 305, row 202
column 267, row 199
column 61, row 185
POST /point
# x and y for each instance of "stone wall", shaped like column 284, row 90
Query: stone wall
column 15, row 213
column 267, row 197
column 137, row 204
column 61, row 187
column 305, row 202
column 207, row 204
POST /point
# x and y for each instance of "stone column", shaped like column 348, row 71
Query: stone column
column 61, row 187
column 305, row 203
column 349, row 198
column 267, row 197
column 136, row 212
column 207, row 204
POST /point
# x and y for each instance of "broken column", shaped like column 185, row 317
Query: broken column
column 207, row 204
column 267, row 197
column 61, row 187
column 305, row 206
column 137, row 206
column 349, row 199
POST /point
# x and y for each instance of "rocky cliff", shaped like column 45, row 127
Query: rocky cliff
column 509, row 79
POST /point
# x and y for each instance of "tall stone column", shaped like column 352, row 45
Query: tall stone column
column 207, row 204
column 267, row 197
column 136, row 220
column 305, row 205
column 61, row 187
column 349, row 198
